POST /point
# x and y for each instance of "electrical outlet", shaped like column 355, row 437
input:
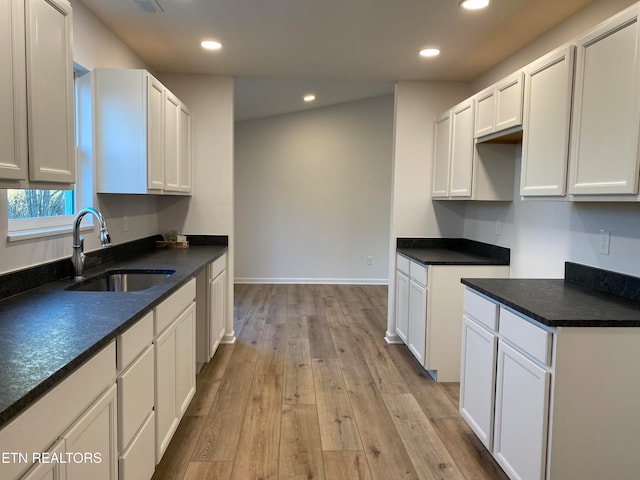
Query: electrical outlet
column 369, row 260
column 603, row 243
column 498, row 228
column 125, row 223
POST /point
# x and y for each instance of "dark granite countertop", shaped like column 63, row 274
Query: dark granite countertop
column 586, row 297
column 48, row 332
column 452, row 251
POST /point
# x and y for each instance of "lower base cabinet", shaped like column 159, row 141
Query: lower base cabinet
column 50, row 471
column 565, row 398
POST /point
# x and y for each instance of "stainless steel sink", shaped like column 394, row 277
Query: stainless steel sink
column 122, row 281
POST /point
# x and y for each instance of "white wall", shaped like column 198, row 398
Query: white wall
column 313, row 190
column 543, row 235
column 93, row 45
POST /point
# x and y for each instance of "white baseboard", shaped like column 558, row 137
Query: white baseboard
column 316, row 281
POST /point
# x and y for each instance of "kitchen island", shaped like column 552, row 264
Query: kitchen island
column 548, row 375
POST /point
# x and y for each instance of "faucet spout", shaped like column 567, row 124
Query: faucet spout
column 78, row 242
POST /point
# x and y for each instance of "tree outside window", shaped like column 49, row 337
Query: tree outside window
column 39, row 203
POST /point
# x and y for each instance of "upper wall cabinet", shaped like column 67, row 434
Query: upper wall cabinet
column 498, row 109
column 142, row 135
column 441, row 156
column 36, row 103
column 604, row 135
column 547, row 118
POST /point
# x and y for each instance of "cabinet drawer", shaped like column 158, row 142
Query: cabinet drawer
column 402, row 264
column 133, row 342
column 525, row 335
column 138, row 461
column 418, row 273
column 481, row 309
column 217, row 266
column 173, row 306
column 135, row 397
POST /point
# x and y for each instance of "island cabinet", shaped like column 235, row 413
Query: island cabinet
column 136, row 401
column 142, row 135
column 428, row 312
column 548, row 91
column 36, row 117
column 604, row 160
column 175, row 362
column 76, row 421
column 549, row 403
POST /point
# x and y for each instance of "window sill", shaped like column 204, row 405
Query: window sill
column 21, row 235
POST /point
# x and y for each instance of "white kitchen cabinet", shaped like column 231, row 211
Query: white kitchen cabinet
column 69, row 399
column 441, row 156
column 175, row 362
column 555, row 416
column 417, row 319
column 606, row 116
column 142, row 139
column 95, row 433
column 402, row 305
column 462, row 149
column 477, row 378
column 546, row 123
column 498, row 109
column 521, row 414
column 218, row 310
column 37, row 122
column 427, row 299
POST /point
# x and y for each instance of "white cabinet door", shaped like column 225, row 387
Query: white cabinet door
column 477, row 379
column 484, row 112
column 50, row 91
column 606, row 116
column 218, row 311
column 95, row 433
column 441, row 156
column 185, row 360
column 547, row 119
column 462, row 149
column 184, row 148
column 402, row 306
column 522, row 404
column 51, row 470
column 416, row 338
column 508, row 102
column 13, row 96
column 171, row 142
column 166, row 420
column 155, row 134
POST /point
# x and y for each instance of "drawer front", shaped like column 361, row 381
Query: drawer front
column 418, row 273
column 402, row 264
column 133, row 342
column 217, row 266
column 173, row 306
column 138, row 461
column 530, row 338
column 481, row 309
column 135, row 397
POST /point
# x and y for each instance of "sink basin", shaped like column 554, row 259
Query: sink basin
column 122, row 281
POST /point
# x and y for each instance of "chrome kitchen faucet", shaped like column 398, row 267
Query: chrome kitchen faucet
column 78, row 242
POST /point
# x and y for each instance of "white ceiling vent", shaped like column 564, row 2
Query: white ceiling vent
column 149, row 6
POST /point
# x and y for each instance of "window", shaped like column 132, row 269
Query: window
column 36, row 213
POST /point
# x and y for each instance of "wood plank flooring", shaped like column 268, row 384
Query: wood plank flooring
column 310, row 390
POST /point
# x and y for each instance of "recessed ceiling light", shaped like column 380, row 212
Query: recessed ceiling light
column 474, row 4
column 429, row 52
column 211, row 45
column 310, row 97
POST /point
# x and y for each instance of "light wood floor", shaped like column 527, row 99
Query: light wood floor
column 310, row 390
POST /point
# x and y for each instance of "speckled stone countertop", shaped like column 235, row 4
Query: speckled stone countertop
column 452, row 251
column 586, row 297
column 48, row 332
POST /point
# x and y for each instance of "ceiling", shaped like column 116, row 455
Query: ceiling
column 335, row 43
